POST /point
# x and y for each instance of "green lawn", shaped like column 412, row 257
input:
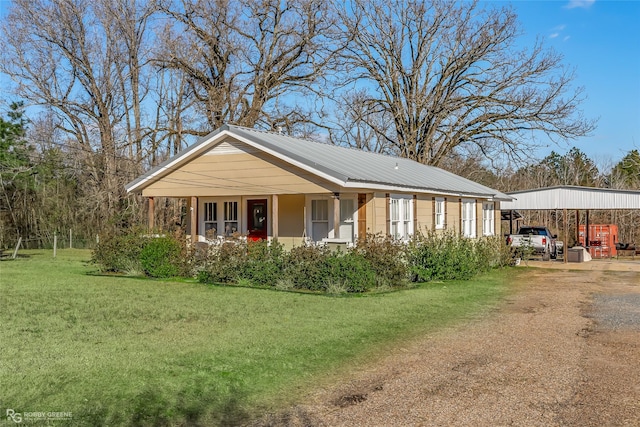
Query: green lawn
column 122, row 351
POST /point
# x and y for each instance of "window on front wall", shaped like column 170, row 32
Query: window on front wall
column 439, row 213
column 210, row 220
column 230, row 218
column 488, row 219
column 400, row 216
column 469, row 218
column 319, row 219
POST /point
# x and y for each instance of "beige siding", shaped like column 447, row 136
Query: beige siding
column 378, row 214
column 424, row 213
column 291, row 219
column 237, row 173
column 453, row 214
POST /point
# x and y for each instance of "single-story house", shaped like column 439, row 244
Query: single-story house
column 265, row 185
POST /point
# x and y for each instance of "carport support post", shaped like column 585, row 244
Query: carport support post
column 577, row 227
column 565, row 244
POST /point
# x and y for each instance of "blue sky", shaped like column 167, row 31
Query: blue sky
column 601, row 39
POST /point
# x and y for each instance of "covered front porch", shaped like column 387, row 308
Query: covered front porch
column 293, row 219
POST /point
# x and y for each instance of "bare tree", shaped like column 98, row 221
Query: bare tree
column 449, row 75
column 84, row 61
column 355, row 125
column 243, row 59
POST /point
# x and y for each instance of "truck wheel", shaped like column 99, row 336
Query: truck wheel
column 546, row 256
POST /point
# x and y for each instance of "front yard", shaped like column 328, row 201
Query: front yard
column 122, row 350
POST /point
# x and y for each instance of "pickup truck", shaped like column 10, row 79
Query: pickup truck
column 538, row 238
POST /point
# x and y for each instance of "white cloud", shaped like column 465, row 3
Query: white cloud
column 585, row 4
column 554, row 35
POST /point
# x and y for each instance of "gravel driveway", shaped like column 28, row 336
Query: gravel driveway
column 562, row 350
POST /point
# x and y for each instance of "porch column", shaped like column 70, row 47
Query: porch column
column 415, row 214
column 194, row 219
column 274, row 216
column 336, row 215
column 387, row 218
column 151, row 214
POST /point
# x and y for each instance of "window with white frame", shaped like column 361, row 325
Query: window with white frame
column 210, row 220
column 319, row 219
column 439, row 212
column 394, row 217
column 469, row 218
column 230, row 218
column 407, row 217
column 347, row 210
column 400, row 216
column 488, row 218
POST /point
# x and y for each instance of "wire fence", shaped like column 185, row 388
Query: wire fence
column 58, row 240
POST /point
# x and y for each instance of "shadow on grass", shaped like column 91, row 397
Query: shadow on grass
column 190, row 408
column 8, row 256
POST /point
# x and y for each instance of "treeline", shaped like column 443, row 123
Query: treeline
column 114, row 87
column 44, row 190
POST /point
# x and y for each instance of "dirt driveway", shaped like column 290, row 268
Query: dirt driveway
column 563, row 350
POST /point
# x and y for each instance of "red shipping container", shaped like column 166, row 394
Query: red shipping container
column 602, row 239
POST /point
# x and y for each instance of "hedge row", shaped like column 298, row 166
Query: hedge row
column 374, row 263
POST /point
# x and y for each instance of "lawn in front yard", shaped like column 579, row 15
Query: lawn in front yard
column 122, row 350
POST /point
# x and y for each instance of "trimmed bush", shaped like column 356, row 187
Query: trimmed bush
column 120, row 253
column 387, row 257
column 306, row 267
column 223, row 263
column 161, row 257
column 264, row 263
column 136, row 253
column 446, row 256
column 350, row 270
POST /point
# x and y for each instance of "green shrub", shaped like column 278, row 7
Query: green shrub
column 350, row 269
column 120, row 253
column 264, row 263
column 161, row 257
column 223, row 263
column 443, row 256
column 137, row 252
column 387, row 257
column 306, row 267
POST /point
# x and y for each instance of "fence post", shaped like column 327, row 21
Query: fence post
column 15, row 252
column 70, row 239
column 55, row 243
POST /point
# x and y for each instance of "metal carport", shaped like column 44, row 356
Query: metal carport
column 567, row 197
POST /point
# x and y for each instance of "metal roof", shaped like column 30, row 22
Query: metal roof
column 572, row 197
column 346, row 167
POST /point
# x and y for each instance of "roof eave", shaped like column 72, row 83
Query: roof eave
column 168, row 165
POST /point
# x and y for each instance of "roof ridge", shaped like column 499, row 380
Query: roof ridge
column 328, row 144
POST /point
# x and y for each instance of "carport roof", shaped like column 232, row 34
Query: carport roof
column 572, row 197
